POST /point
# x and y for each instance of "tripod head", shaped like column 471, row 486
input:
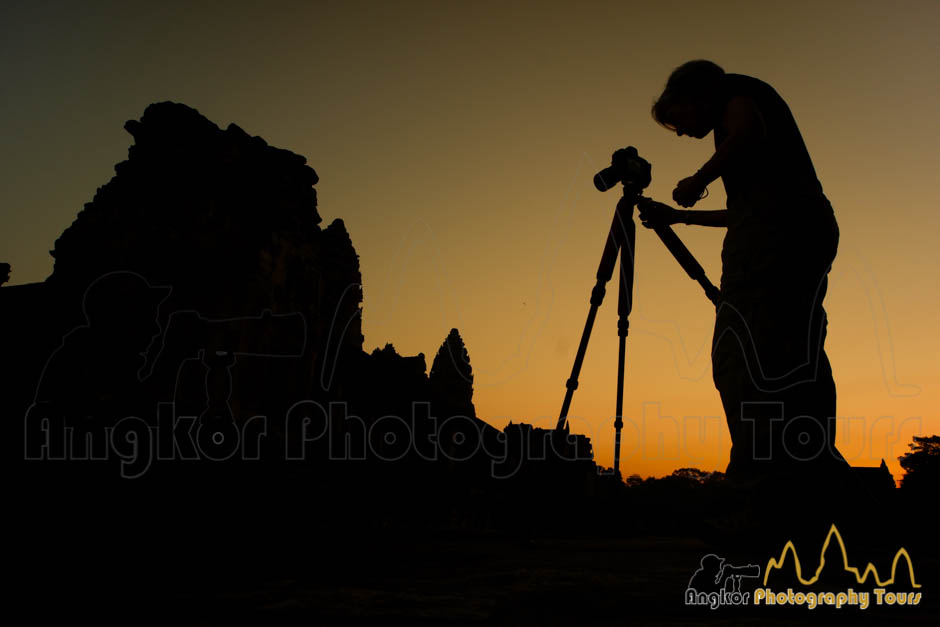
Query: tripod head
column 627, row 167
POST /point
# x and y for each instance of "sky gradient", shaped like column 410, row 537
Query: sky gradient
column 458, row 140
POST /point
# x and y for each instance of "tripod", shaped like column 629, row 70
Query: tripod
column 622, row 238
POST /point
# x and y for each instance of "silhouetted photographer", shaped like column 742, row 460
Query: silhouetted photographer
column 768, row 361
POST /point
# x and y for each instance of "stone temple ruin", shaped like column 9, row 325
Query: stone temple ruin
column 218, row 230
column 199, row 282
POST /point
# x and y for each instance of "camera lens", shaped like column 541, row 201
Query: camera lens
column 606, row 178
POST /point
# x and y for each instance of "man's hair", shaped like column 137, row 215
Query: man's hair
column 693, row 82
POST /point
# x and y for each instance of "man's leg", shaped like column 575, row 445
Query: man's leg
column 750, row 412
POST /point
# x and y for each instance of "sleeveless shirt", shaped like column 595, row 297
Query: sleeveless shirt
column 776, row 205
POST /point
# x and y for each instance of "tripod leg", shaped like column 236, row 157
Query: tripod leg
column 687, row 261
column 619, row 233
column 624, row 307
column 618, row 423
column 597, row 297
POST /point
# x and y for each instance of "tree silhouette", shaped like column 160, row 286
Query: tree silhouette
column 696, row 475
column 4, row 273
column 633, row 480
column 921, row 464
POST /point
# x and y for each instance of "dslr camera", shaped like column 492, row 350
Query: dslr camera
column 627, row 167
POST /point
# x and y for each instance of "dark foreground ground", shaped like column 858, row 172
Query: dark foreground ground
column 184, row 554
column 447, row 577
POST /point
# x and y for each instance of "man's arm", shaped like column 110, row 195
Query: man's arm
column 704, row 218
column 745, row 126
column 653, row 213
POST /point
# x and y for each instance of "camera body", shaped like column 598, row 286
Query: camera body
column 627, row 167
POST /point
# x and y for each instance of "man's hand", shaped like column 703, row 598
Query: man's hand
column 654, row 214
column 688, row 191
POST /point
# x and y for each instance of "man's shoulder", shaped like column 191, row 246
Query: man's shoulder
column 738, row 84
column 761, row 92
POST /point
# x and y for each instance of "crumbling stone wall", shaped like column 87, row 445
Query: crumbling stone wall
column 231, row 225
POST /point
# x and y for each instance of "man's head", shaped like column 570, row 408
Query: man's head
column 711, row 564
column 688, row 103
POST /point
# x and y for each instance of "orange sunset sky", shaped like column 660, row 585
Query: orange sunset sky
column 458, row 140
